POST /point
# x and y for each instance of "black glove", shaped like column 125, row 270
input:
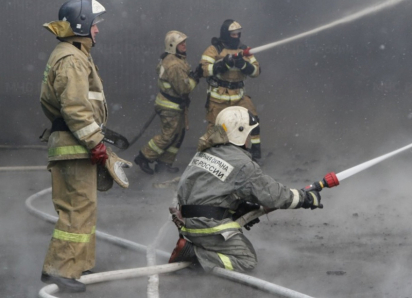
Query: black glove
column 223, row 65
column 251, row 223
column 229, row 61
column 311, row 200
column 239, row 62
column 197, row 73
column 242, row 209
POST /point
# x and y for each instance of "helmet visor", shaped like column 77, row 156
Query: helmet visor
column 97, row 20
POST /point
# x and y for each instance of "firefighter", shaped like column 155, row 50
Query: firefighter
column 175, row 82
column 220, row 184
column 72, row 99
column 225, row 76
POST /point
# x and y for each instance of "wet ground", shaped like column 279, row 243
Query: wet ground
column 357, row 246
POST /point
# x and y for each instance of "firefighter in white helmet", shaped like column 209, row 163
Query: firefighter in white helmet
column 225, row 76
column 72, row 98
column 222, row 183
column 175, row 82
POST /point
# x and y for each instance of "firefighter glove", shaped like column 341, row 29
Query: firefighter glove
column 239, row 62
column 247, row 68
column 115, row 166
column 311, row 200
column 251, row 223
column 223, row 65
column 98, row 154
column 243, row 208
column 197, row 73
column 229, row 61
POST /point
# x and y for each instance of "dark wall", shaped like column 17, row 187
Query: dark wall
column 345, row 90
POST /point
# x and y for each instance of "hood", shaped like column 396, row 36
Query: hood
column 61, row 29
column 214, row 136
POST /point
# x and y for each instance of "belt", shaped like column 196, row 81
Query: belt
column 218, row 213
column 215, row 82
column 176, row 100
column 59, row 125
column 181, row 101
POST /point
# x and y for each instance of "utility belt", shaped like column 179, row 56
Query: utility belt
column 182, row 102
column 215, row 82
column 59, row 125
column 218, row 213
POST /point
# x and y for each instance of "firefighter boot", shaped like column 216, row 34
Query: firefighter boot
column 143, row 163
column 68, row 285
column 183, row 252
column 255, row 151
column 161, row 166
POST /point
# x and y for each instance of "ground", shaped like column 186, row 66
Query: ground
column 357, row 246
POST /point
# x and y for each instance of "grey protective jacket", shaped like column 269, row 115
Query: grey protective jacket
column 224, row 175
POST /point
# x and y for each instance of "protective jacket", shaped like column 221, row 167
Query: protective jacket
column 72, row 91
column 222, row 94
column 172, row 103
column 174, row 82
column 224, row 175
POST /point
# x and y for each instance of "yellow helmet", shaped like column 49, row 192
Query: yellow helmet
column 172, row 39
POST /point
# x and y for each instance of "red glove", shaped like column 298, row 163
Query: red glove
column 99, row 154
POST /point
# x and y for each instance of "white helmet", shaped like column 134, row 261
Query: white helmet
column 172, row 39
column 238, row 122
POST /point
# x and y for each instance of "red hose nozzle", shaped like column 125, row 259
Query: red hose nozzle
column 331, row 180
column 246, row 52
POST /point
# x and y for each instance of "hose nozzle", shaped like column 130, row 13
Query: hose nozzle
column 329, row 181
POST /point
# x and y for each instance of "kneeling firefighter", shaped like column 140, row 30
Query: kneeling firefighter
column 72, row 99
column 220, row 184
column 176, row 81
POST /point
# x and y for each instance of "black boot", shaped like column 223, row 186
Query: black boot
column 143, row 163
column 161, row 166
column 255, row 151
column 68, row 285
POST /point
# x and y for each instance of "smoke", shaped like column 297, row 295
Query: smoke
column 327, row 102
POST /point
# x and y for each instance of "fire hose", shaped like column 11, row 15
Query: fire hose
column 49, row 290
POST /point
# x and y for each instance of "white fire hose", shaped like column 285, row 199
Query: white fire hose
column 49, row 290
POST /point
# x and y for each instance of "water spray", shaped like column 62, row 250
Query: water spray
column 330, row 180
column 347, row 19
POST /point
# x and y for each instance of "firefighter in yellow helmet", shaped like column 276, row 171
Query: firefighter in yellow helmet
column 175, row 82
column 225, row 76
column 72, row 98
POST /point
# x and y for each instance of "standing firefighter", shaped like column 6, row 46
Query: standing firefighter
column 225, row 74
column 175, row 82
column 72, row 98
column 222, row 183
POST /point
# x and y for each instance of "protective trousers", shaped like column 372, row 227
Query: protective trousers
column 165, row 146
column 214, row 109
column 236, row 253
column 74, row 193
